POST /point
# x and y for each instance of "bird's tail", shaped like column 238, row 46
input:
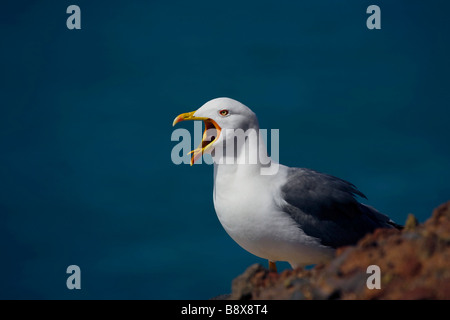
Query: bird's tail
column 382, row 220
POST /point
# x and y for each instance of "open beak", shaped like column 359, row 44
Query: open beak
column 211, row 133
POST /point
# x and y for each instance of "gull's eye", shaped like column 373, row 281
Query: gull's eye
column 224, row 112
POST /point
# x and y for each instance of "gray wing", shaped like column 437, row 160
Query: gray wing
column 325, row 207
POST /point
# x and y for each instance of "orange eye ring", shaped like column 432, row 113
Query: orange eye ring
column 224, row 112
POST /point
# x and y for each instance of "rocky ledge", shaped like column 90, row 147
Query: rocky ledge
column 413, row 263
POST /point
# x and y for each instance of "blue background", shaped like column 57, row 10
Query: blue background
column 86, row 176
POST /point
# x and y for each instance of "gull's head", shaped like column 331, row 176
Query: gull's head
column 218, row 115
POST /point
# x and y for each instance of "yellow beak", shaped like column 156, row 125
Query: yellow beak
column 211, row 133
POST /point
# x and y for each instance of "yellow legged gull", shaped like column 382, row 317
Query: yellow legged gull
column 289, row 214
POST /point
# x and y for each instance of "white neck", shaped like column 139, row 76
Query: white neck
column 247, row 160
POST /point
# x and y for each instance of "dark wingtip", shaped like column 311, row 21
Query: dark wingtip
column 358, row 193
column 396, row 225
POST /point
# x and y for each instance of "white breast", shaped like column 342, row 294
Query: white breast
column 246, row 208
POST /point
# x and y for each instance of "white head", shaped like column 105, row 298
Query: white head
column 221, row 116
column 228, row 114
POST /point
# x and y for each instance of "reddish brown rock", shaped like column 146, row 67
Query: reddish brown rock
column 414, row 264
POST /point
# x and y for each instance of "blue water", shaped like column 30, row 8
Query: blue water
column 86, row 176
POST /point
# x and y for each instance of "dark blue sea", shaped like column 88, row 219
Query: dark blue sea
column 86, row 176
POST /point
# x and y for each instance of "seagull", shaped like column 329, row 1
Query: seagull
column 276, row 212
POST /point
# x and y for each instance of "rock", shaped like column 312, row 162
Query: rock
column 414, row 264
column 243, row 286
